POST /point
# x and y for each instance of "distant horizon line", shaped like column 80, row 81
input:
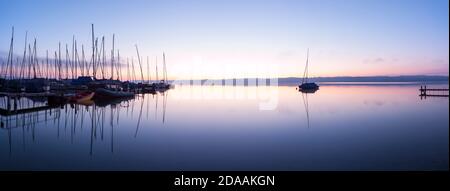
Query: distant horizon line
column 369, row 78
column 420, row 76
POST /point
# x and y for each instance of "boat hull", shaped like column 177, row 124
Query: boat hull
column 308, row 86
column 104, row 93
column 81, row 97
column 86, row 98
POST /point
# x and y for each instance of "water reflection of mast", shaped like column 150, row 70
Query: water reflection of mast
column 65, row 119
column 139, row 119
column 75, row 118
column 132, row 107
column 118, row 113
column 73, row 122
column 82, row 118
column 69, row 117
column 9, row 137
column 92, row 128
column 59, row 121
column 102, row 121
column 128, row 106
column 306, row 104
column 27, row 122
column 148, row 104
column 33, row 123
column 112, row 129
column 23, row 132
column 156, row 109
column 165, row 105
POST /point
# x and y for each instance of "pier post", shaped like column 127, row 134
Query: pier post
column 8, row 103
column 15, row 103
column 434, row 92
column 423, row 91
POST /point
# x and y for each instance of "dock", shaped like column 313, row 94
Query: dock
column 14, row 95
column 6, row 112
column 13, row 100
column 433, row 92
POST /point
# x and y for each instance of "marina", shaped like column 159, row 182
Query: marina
column 60, row 81
column 200, row 85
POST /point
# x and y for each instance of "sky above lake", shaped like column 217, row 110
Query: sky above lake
column 246, row 38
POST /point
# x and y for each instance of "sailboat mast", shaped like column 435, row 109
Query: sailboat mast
column 307, row 63
column 47, row 66
column 67, row 62
column 55, row 61
column 128, row 70
column 96, row 56
column 148, row 69
column 305, row 73
column 156, row 65
column 10, row 56
column 77, row 59
column 82, row 60
column 132, row 69
column 119, row 71
column 93, row 51
column 112, row 59
column 35, row 61
column 72, row 60
column 103, row 57
column 140, row 65
column 164, row 67
column 24, row 56
column 59, row 61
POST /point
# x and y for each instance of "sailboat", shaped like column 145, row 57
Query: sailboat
column 163, row 84
column 305, row 86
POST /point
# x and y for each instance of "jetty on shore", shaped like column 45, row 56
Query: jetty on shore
column 433, row 92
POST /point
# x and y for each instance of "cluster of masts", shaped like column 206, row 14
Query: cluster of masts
column 71, row 63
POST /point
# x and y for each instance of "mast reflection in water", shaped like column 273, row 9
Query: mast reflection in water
column 69, row 120
column 351, row 127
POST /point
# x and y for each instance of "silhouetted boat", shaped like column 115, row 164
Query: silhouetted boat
column 81, row 97
column 55, row 100
column 163, row 84
column 111, row 101
column 305, row 86
column 86, row 102
column 105, row 93
column 311, row 90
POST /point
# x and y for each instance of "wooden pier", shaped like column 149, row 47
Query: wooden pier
column 13, row 100
column 14, row 95
column 5, row 112
column 433, row 92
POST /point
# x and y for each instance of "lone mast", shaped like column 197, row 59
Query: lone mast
column 305, row 73
column 164, row 68
column 156, row 65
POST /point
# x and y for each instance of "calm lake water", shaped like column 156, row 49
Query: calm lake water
column 339, row 127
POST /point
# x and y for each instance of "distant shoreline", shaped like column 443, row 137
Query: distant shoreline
column 342, row 80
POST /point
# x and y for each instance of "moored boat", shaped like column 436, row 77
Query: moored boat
column 81, row 97
column 305, row 86
column 309, row 86
column 105, row 93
